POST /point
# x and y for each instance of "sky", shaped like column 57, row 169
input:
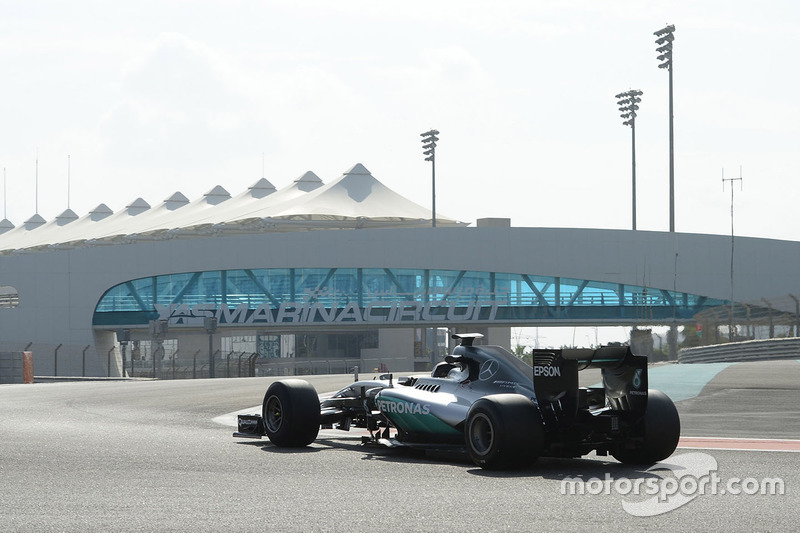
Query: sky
column 118, row 101
column 142, row 99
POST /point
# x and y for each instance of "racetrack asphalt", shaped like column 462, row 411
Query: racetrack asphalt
column 148, row 456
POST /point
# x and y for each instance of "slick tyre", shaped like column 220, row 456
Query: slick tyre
column 291, row 413
column 503, row 431
column 661, row 427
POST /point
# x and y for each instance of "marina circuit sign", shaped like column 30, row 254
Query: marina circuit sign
column 377, row 312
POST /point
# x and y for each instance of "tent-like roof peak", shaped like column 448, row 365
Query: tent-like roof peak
column 34, row 222
column 137, row 206
column 66, row 217
column 175, row 201
column 6, row 225
column 308, row 182
column 358, row 182
column 356, row 197
column 100, row 212
column 358, row 168
column 217, row 195
column 261, row 188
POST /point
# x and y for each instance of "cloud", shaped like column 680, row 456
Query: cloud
column 178, row 105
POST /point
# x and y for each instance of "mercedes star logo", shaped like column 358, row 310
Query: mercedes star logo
column 488, row 370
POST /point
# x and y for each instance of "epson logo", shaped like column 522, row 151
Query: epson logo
column 411, row 408
column 546, row 371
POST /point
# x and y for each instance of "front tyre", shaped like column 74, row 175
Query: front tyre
column 291, row 413
column 661, row 427
column 503, row 431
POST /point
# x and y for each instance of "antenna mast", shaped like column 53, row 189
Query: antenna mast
column 731, row 180
column 36, row 188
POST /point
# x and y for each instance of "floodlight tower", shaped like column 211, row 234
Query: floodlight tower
column 429, row 139
column 664, row 41
column 627, row 103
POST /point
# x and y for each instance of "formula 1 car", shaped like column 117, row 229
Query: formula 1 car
column 482, row 398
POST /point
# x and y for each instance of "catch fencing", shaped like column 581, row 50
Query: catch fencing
column 249, row 364
column 196, row 366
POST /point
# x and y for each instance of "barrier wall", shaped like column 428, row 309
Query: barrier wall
column 732, row 352
column 16, row 367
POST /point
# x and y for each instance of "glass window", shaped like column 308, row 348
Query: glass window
column 9, row 297
column 237, row 344
column 519, row 296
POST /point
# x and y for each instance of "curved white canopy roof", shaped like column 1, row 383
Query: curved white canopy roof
column 354, row 200
column 356, row 194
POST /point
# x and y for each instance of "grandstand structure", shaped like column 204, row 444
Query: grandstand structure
column 334, row 275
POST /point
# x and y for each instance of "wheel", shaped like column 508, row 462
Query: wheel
column 503, row 431
column 662, row 429
column 291, row 413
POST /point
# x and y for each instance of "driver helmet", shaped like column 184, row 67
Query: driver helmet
column 460, row 372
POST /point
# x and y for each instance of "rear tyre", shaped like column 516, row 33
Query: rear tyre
column 661, row 426
column 291, row 413
column 503, row 431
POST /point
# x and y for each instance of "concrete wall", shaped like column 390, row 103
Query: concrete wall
column 760, row 350
column 11, row 370
column 395, row 350
column 16, row 367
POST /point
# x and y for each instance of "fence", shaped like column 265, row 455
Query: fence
column 760, row 350
column 177, row 365
column 305, row 367
column 62, row 359
column 196, row 366
column 248, row 364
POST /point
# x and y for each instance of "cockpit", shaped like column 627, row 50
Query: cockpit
column 455, row 368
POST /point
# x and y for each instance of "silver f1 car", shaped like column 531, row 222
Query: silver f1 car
column 482, row 398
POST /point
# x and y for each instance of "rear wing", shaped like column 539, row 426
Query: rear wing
column 555, row 373
column 604, row 357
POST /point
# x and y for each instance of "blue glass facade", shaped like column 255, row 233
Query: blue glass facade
column 311, row 295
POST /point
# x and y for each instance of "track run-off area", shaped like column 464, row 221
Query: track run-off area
column 159, row 456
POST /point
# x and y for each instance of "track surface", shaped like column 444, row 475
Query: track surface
column 148, row 456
